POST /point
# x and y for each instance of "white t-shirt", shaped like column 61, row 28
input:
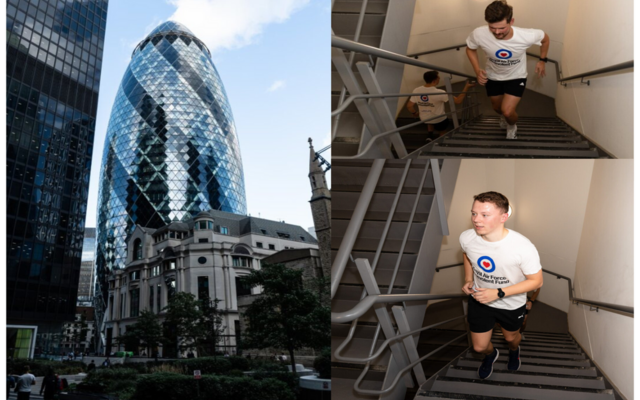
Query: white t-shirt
column 25, row 382
column 506, row 59
column 430, row 102
column 501, row 264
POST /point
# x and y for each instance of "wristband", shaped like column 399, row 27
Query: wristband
column 544, row 59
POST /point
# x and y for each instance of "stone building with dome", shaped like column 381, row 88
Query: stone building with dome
column 205, row 256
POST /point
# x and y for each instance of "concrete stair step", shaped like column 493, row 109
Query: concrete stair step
column 521, row 391
column 517, row 143
column 371, row 232
column 521, row 137
column 343, row 204
column 384, row 269
column 526, row 366
column 505, row 375
column 352, row 178
column 345, row 23
column 528, row 347
column 537, row 358
column 450, row 151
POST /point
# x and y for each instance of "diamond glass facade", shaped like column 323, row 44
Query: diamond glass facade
column 171, row 149
column 54, row 56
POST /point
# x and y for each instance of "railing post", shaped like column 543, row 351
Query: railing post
column 348, row 78
column 409, row 342
column 385, row 117
column 452, row 103
column 465, row 309
column 435, row 170
column 342, row 258
column 397, row 350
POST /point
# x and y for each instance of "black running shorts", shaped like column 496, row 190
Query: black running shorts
column 482, row 318
column 514, row 87
column 441, row 126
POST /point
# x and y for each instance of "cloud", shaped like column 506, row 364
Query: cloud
column 275, row 86
column 224, row 24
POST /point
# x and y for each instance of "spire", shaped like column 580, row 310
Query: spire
column 316, row 175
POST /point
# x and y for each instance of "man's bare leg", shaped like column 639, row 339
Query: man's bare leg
column 513, row 339
column 524, row 323
column 482, row 342
column 496, row 103
column 508, row 108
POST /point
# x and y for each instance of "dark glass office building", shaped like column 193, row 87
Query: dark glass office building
column 54, row 56
column 171, row 149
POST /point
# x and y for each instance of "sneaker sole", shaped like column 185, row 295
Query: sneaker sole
column 494, row 360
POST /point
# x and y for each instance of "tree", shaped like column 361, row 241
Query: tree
column 196, row 324
column 286, row 315
column 146, row 332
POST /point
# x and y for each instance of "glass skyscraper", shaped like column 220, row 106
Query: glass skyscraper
column 54, row 57
column 171, row 149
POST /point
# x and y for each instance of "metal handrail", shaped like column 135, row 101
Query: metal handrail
column 592, row 303
column 342, row 258
column 459, row 46
column 448, row 266
column 389, row 132
column 362, row 307
column 350, row 45
column 617, row 67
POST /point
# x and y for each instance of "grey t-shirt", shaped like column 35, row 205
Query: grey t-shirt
column 25, row 382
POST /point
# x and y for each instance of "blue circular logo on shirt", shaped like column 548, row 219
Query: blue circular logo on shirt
column 424, row 97
column 486, row 264
column 504, row 54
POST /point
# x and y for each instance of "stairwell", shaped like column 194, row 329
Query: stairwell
column 423, row 238
column 554, row 367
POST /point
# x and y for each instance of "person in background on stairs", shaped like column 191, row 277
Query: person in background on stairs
column 530, row 301
column 430, row 101
column 505, row 73
column 500, row 267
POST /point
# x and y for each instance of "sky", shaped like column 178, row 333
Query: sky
column 273, row 58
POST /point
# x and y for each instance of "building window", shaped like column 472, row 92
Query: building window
column 159, row 297
column 203, row 287
column 210, row 225
column 122, row 307
column 137, row 249
column 171, row 288
column 264, row 231
column 111, row 308
column 259, row 244
column 283, row 235
column 201, row 240
column 168, row 265
column 151, row 298
column 303, row 238
column 135, row 303
column 155, row 271
column 242, row 289
column 134, row 276
column 224, row 230
column 203, row 225
column 272, row 247
column 239, row 261
column 202, row 260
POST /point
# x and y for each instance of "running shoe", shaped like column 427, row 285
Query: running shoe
column 503, row 122
column 514, row 360
column 486, row 368
column 511, row 131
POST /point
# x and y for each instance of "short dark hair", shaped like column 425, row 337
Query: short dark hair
column 25, row 369
column 498, row 199
column 430, row 76
column 497, row 11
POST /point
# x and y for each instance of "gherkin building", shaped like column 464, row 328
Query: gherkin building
column 171, row 148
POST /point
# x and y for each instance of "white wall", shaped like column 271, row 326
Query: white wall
column 598, row 37
column 604, row 272
column 438, row 24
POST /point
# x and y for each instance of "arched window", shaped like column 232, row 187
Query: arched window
column 137, row 249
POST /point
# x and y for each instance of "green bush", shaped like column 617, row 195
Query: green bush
column 206, row 365
column 117, row 381
column 240, row 363
column 291, row 380
column 322, row 363
column 235, row 372
column 40, row 367
column 180, row 387
column 267, row 365
column 140, row 367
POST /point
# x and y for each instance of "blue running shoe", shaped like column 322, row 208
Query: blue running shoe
column 486, row 368
column 514, row 360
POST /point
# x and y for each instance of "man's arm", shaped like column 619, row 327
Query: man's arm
column 535, row 295
column 468, row 275
column 411, row 108
column 544, row 50
column 532, row 282
column 460, row 98
column 475, row 63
